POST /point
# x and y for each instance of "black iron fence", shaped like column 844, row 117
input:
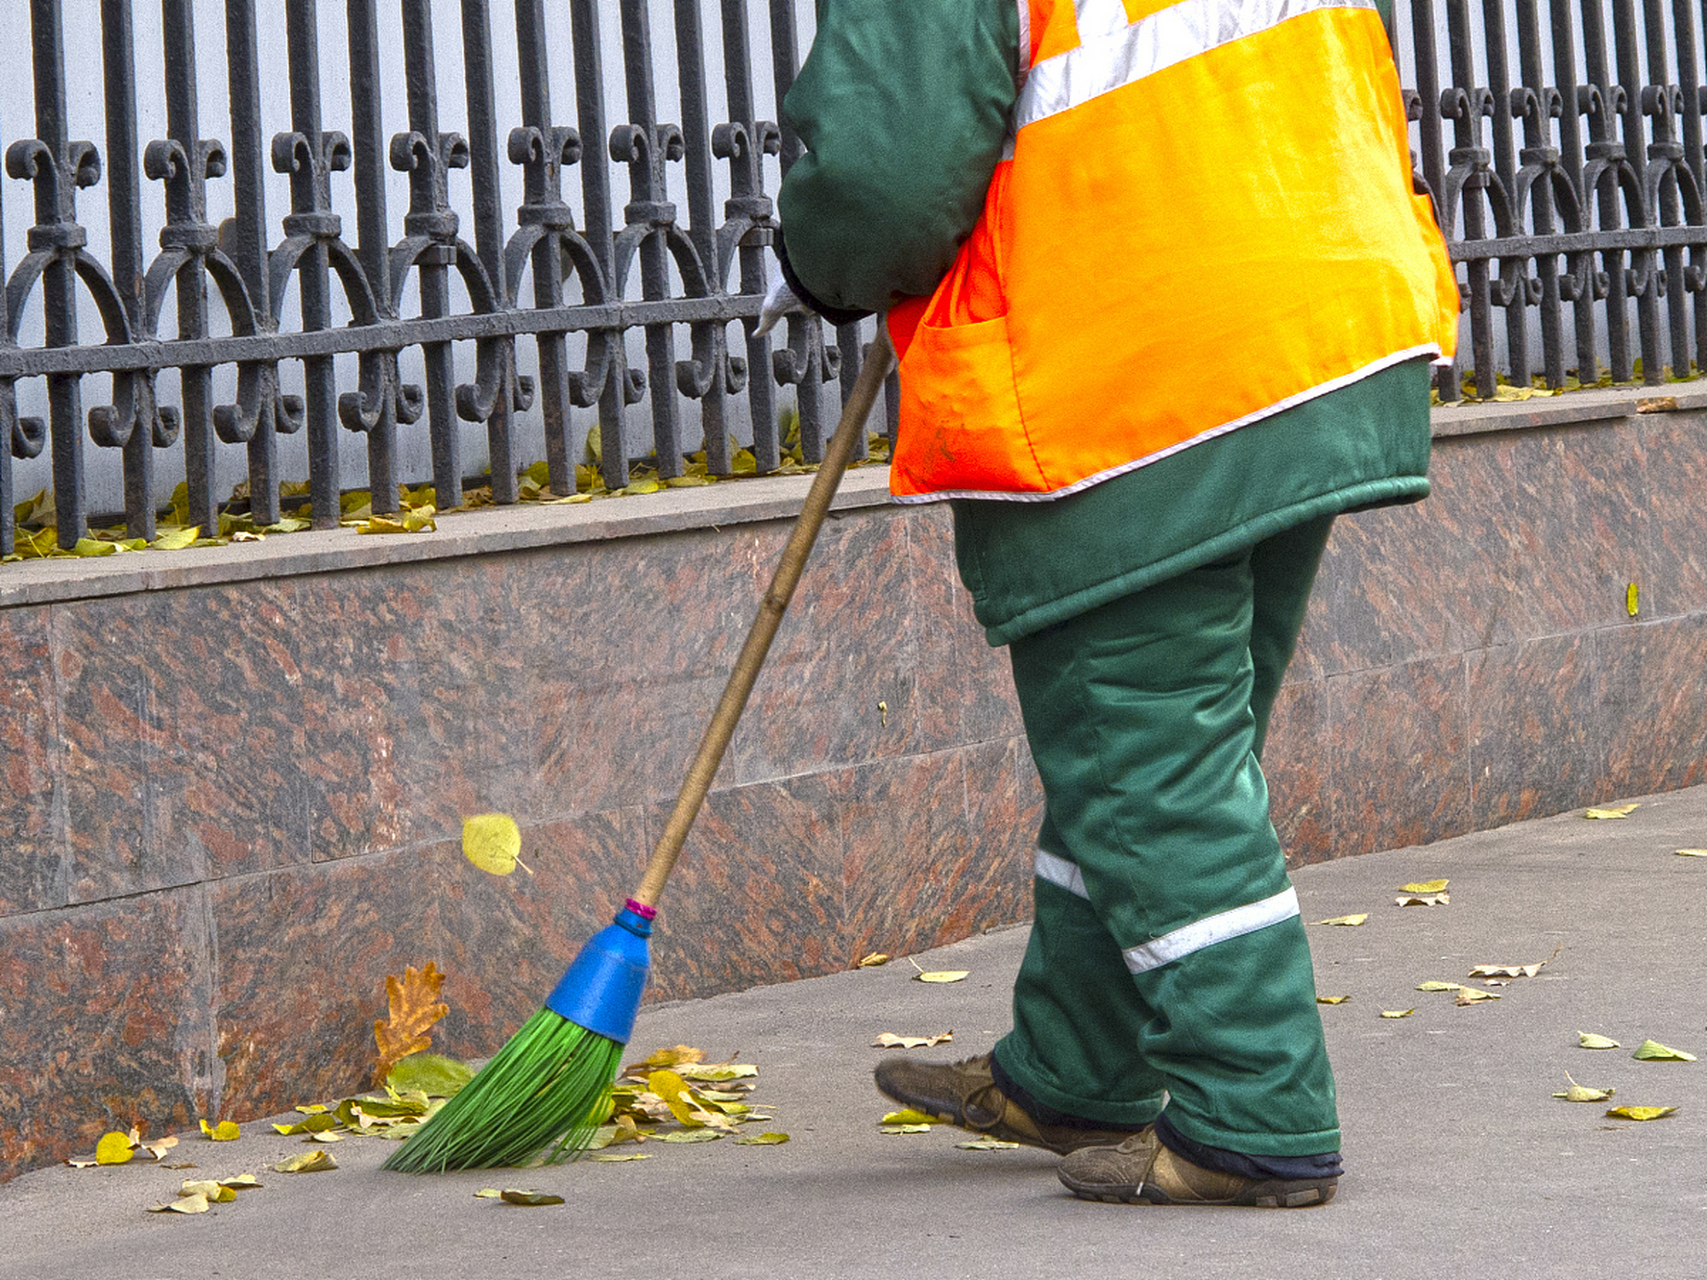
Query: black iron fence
column 1570, row 188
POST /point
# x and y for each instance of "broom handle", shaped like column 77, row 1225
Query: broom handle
column 837, row 453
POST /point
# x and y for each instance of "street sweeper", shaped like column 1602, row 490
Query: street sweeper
column 1165, row 300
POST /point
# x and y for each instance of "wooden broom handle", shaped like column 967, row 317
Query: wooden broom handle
column 837, row 454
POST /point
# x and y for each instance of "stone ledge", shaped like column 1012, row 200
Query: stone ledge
column 465, row 533
column 523, row 527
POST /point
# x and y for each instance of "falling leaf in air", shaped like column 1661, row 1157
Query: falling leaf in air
column 188, row 1204
column 414, row 1008
column 1423, row 899
column 1469, row 995
column 873, row 960
column 1432, row 985
column 1332, row 999
column 493, row 842
column 1654, row 1051
column 1589, row 1040
column 1424, row 886
column 518, row 1195
column 772, row 1139
column 1617, row 811
column 307, row 1162
column 1397, row 1013
column 1356, row 919
column 224, row 1131
column 1641, row 1113
column 1582, row 1093
column 889, row 1040
column 1690, row 853
column 113, row 1148
column 986, row 1144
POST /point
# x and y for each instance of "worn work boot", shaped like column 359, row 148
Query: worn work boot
column 1142, row 1171
column 966, row 1094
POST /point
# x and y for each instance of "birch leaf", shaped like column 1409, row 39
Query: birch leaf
column 1397, row 1013
column 1606, row 815
column 224, row 1131
column 1469, row 995
column 682, row 1053
column 943, row 975
column 692, row 1135
column 889, row 1040
column 1654, row 1051
column 159, row 1149
column 176, row 539
column 492, row 842
column 242, row 1182
column 1332, row 999
column 1690, row 853
column 1356, row 919
column 986, row 1144
column 1423, row 899
column 1588, row 1040
column 1432, row 985
column 212, row 1191
column 676, row 1095
column 430, row 1073
column 1424, row 886
column 188, row 1204
column 1583, row 1093
column 879, row 957
column 113, row 1148
column 772, row 1139
column 1640, row 1113
column 616, row 1157
column 719, row 1072
column 487, row 1193
column 903, row 1128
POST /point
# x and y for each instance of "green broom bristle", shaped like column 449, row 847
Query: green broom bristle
column 547, row 1086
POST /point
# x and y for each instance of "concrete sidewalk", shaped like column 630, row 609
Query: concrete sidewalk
column 1460, row 1163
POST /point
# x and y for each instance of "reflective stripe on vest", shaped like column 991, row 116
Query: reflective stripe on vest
column 1205, row 217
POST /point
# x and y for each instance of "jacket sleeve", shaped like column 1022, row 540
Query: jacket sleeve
column 903, row 106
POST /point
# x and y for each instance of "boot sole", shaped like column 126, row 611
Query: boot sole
column 1262, row 1195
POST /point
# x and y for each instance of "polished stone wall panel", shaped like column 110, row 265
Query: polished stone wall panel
column 1675, row 449
column 105, row 1022
column 1298, row 764
column 1650, row 702
column 33, row 875
column 303, row 953
column 1532, row 746
column 1401, row 772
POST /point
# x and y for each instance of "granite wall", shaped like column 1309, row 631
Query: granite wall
column 229, row 809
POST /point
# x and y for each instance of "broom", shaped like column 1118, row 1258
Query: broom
column 551, row 1083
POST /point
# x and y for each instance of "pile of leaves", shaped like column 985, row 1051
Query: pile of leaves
column 675, row 1096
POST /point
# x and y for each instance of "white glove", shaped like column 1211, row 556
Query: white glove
column 779, row 302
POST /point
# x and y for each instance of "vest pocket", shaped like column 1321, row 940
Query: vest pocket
column 963, row 431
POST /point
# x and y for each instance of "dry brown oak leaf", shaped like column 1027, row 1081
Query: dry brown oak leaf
column 415, row 1006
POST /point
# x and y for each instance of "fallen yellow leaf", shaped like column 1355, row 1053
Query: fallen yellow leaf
column 942, row 975
column 1641, row 1113
column 909, row 1115
column 225, row 1131
column 1357, row 919
column 176, row 539
column 1654, row 1051
column 1588, row 1040
column 1423, row 899
column 889, row 1040
column 903, row 1128
column 113, row 1148
column 518, row 1195
column 1582, row 1093
column 307, row 1162
column 1690, row 853
column 210, row 1190
column 1616, row 811
column 1397, row 1013
column 986, row 1144
column 692, row 1135
column 188, row 1204
column 719, row 1072
column 492, row 842
column 1469, row 995
column 873, row 960
column 1332, row 999
column 616, row 1157
column 1424, row 886
column 242, row 1182
column 772, row 1139
column 1432, row 985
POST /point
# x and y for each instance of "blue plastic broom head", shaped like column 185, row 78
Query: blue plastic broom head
column 602, row 989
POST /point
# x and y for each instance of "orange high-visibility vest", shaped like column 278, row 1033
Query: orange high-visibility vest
column 1206, row 217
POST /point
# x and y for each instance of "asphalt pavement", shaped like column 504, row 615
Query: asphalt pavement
column 1460, row 1162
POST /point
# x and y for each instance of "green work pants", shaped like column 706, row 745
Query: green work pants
column 1167, row 952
